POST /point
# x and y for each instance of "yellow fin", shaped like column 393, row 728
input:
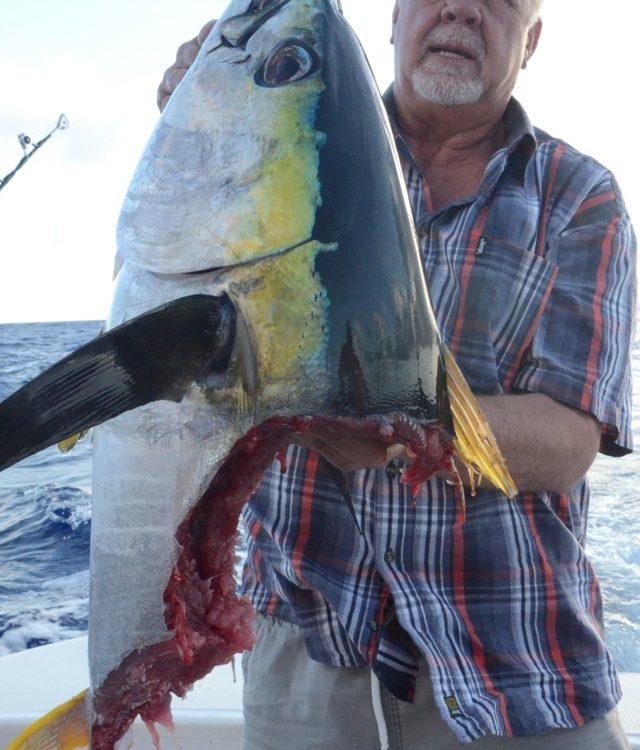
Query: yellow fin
column 66, row 727
column 475, row 442
column 64, row 446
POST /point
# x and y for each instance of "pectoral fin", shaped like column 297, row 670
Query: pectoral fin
column 156, row 356
column 475, row 443
column 66, row 727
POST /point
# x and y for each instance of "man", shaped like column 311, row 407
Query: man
column 491, row 624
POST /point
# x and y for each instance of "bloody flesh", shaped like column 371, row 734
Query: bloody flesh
column 209, row 622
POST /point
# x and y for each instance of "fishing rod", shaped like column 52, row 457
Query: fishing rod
column 26, row 142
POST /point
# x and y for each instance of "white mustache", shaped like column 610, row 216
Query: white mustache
column 442, row 36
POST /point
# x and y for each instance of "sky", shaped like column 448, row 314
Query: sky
column 100, row 64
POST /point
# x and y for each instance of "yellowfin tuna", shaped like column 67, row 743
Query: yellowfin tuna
column 268, row 280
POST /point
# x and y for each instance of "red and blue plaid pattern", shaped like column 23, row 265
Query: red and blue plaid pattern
column 533, row 284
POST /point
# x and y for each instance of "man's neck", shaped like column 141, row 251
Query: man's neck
column 452, row 146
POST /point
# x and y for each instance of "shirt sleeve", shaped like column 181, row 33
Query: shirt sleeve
column 581, row 351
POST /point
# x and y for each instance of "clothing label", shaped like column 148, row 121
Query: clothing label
column 454, row 707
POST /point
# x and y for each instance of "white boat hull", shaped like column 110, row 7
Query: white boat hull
column 35, row 681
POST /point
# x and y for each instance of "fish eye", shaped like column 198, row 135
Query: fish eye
column 288, row 63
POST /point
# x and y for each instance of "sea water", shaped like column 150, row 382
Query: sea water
column 45, row 519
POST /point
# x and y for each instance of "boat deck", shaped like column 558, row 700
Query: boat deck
column 35, row 681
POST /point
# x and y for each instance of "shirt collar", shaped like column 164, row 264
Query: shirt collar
column 520, row 138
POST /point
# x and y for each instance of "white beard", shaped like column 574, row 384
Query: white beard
column 440, row 87
column 445, row 89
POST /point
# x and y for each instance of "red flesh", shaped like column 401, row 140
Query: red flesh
column 209, row 622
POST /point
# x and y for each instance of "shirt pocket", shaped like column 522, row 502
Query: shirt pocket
column 503, row 291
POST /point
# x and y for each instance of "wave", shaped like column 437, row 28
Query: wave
column 44, row 528
column 44, row 568
column 57, row 611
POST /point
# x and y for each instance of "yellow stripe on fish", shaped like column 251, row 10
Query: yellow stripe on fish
column 286, row 307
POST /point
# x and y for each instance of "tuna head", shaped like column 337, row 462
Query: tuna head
column 273, row 167
column 230, row 174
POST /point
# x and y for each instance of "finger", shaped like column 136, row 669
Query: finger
column 162, row 97
column 187, row 53
column 401, row 452
column 204, row 32
column 170, row 81
column 185, row 57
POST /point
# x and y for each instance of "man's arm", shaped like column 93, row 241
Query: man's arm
column 547, row 446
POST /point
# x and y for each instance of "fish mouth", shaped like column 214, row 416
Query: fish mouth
column 248, row 263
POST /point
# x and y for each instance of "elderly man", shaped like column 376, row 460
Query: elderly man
column 427, row 630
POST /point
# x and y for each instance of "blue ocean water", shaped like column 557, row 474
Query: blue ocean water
column 45, row 519
column 45, row 508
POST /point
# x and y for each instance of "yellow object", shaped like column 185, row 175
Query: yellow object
column 475, row 443
column 66, row 727
column 64, row 446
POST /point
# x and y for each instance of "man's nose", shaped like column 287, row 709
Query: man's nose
column 462, row 11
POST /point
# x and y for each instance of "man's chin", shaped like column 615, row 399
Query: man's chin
column 446, row 90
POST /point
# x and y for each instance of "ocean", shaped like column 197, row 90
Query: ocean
column 45, row 519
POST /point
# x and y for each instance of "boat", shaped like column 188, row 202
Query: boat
column 34, row 681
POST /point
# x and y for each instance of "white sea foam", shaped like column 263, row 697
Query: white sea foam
column 61, row 613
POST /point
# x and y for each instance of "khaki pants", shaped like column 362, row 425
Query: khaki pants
column 294, row 703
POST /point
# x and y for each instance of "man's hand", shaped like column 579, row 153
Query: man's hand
column 350, row 452
column 185, row 56
column 548, row 446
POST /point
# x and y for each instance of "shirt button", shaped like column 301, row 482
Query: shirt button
column 389, row 556
column 392, row 470
column 373, row 625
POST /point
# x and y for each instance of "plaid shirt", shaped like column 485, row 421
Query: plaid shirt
column 533, row 281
